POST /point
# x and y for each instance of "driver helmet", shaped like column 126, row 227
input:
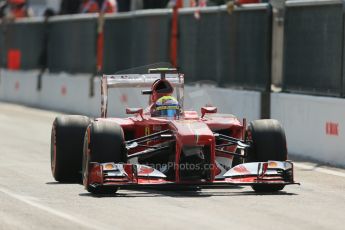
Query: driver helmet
column 166, row 106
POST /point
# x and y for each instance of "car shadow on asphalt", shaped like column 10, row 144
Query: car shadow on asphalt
column 57, row 183
column 201, row 193
column 181, row 192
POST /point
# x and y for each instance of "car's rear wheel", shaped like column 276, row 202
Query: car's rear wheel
column 67, row 147
column 104, row 142
column 269, row 143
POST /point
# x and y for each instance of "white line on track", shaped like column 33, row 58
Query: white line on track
column 319, row 169
column 62, row 215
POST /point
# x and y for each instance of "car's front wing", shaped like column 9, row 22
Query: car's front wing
column 136, row 175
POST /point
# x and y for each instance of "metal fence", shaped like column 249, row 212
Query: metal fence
column 136, row 39
column 246, row 61
column 2, row 47
column 150, row 37
column 22, row 44
column 227, row 48
column 199, row 51
column 313, row 51
column 117, row 43
column 72, row 44
column 231, row 49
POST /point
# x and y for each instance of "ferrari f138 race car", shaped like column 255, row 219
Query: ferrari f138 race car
column 165, row 145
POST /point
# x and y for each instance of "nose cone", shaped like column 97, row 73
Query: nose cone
column 191, row 132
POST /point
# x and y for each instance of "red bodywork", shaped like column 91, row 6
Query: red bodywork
column 189, row 130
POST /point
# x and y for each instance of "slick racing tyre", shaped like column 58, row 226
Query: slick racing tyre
column 104, row 142
column 269, row 143
column 67, row 147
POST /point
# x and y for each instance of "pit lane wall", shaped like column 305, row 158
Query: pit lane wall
column 80, row 94
column 314, row 126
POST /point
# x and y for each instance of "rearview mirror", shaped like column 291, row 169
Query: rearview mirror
column 146, row 92
column 139, row 111
column 207, row 109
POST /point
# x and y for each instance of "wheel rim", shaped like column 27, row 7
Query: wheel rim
column 86, row 159
column 53, row 150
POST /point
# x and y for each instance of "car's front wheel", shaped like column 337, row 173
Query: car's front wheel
column 104, row 142
column 268, row 143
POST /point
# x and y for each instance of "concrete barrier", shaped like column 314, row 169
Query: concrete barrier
column 241, row 103
column 19, row 87
column 314, row 126
column 67, row 93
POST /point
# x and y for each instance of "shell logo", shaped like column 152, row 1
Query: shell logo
column 272, row 164
column 108, row 166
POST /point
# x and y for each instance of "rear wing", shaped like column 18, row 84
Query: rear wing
column 140, row 81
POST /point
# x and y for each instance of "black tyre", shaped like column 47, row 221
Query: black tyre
column 269, row 143
column 104, row 142
column 67, row 138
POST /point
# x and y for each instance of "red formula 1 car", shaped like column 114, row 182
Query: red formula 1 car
column 163, row 145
